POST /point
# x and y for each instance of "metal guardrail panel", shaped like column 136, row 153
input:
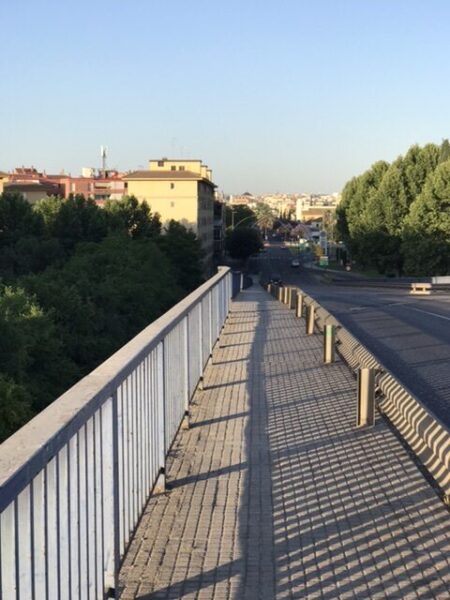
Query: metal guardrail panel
column 75, row 479
column 424, row 433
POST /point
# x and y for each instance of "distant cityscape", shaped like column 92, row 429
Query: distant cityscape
column 176, row 189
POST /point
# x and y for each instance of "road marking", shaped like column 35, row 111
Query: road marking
column 427, row 312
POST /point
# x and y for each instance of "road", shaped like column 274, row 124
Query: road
column 410, row 335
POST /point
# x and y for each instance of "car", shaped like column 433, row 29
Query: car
column 275, row 278
column 295, row 262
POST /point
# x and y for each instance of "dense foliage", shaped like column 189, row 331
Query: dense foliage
column 242, row 242
column 76, row 283
column 396, row 218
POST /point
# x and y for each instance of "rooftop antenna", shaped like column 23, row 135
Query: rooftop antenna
column 103, row 152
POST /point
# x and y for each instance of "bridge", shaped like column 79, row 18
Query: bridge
column 217, row 456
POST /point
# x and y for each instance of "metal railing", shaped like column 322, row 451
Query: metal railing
column 425, row 434
column 75, row 479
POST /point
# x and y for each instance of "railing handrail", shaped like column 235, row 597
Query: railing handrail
column 27, row 451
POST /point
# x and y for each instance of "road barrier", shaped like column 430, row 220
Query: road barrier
column 75, row 479
column 423, row 289
column 424, row 433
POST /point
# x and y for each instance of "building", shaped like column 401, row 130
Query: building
column 312, row 207
column 32, row 191
column 181, row 190
column 98, row 185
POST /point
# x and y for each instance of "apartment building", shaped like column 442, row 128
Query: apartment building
column 181, row 190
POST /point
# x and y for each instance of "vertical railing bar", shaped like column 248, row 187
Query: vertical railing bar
column 95, row 492
column 69, row 519
column 210, row 322
column 141, row 442
column 186, row 367
column 46, row 528
column 127, row 464
column 135, row 446
column 58, row 526
column 86, row 474
column 16, row 546
column 102, row 503
column 78, row 510
column 116, row 491
column 121, row 464
column 32, row 545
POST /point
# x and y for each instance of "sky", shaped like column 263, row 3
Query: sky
column 275, row 96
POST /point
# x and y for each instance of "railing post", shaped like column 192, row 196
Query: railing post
column 200, row 342
column 115, row 493
column 293, row 298
column 185, row 421
column 328, row 344
column 299, row 307
column 160, row 485
column 310, row 317
column 366, row 397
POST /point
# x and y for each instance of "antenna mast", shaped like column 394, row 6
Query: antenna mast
column 103, row 151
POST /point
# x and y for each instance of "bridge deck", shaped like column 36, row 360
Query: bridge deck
column 275, row 494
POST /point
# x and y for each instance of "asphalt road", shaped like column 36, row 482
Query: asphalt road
column 410, row 335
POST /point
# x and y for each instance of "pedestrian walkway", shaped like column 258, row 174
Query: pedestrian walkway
column 275, row 494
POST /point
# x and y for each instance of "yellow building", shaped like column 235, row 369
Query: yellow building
column 181, row 190
column 3, row 180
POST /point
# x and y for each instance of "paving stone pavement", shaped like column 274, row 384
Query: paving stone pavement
column 274, row 492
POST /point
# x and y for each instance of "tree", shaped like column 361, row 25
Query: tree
column 239, row 216
column 243, row 242
column 184, row 250
column 77, row 220
column 426, row 237
column 133, row 217
column 264, row 217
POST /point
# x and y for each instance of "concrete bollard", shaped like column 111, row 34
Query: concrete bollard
column 293, row 298
column 310, row 317
column 299, row 307
column 280, row 293
column 366, row 398
column 287, row 292
column 328, row 344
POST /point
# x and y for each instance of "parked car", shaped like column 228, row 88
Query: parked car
column 295, row 262
column 275, row 278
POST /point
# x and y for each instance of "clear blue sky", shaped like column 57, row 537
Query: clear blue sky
column 287, row 95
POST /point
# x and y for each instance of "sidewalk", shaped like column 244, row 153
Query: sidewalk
column 275, row 494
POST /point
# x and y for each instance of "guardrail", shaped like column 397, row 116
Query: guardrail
column 75, row 479
column 424, row 433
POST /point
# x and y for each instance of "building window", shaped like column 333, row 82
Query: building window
column 172, row 185
column 160, row 163
column 181, row 168
column 172, row 204
column 173, row 168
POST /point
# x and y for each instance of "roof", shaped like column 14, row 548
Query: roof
column 167, row 176
column 35, row 186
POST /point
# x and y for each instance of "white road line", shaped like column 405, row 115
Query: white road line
column 427, row 312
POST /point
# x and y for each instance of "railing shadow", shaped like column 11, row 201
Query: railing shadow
column 325, row 511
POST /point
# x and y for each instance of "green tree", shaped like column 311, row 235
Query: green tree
column 444, row 151
column 185, row 252
column 133, row 217
column 426, row 237
column 242, row 242
column 77, row 220
column 239, row 216
column 265, row 217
